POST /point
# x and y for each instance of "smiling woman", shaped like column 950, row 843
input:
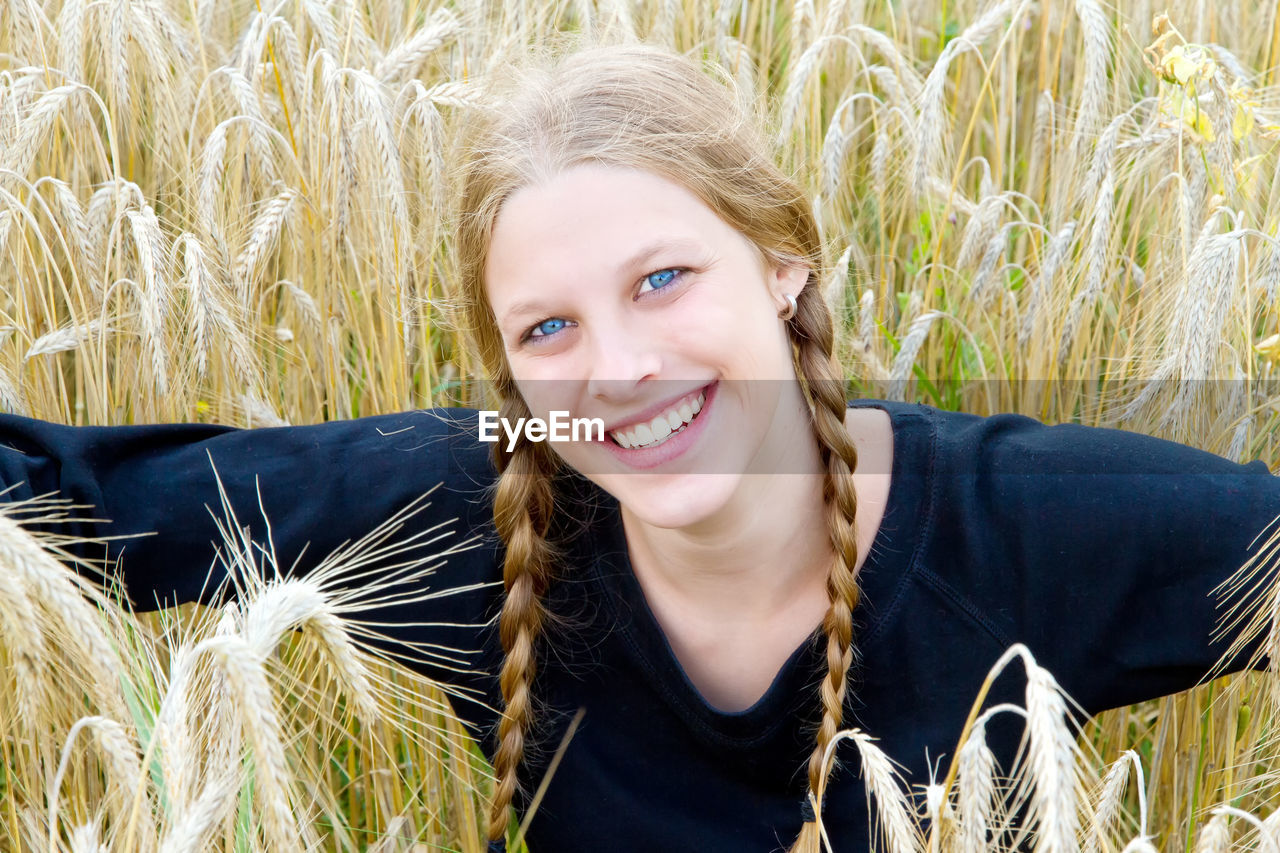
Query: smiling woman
column 739, row 562
column 636, row 154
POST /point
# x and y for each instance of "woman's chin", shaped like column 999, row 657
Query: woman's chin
column 672, row 501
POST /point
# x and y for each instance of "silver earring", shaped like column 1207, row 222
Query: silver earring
column 790, row 311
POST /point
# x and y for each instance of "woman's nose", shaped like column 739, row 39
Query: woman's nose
column 620, row 360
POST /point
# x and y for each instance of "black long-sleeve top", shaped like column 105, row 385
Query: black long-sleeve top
column 1097, row 548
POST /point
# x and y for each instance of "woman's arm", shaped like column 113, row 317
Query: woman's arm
column 159, row 492
column 1103, row 550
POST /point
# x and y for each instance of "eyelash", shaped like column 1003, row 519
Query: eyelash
column 538, row 340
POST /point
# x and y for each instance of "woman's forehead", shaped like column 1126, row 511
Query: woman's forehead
column 603, row 201
column 593, row 221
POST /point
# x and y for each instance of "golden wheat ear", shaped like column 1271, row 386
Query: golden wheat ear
column 1043, row 797
column 63, row 640
column 1250, row 619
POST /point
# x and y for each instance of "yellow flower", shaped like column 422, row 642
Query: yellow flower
column 1242, row 122
column 1196, row 119
column 1178, row 65
column 1269, row 348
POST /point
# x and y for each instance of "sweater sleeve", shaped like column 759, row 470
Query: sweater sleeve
column 1103, row 550
column 158, row 492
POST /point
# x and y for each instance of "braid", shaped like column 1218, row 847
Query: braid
column 522, row 510
column 820, row 378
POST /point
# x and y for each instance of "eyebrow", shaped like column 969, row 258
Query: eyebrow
column 642, row 256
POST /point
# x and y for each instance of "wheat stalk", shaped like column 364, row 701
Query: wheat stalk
column 835, row 146
column 70, row 30
column 25, row 647
column 61, row 340
column 306, row 304
column 409, row 54
column 975, row 787
column 803, row 20
column 1215, row 836
column 1110, row 799
column 833, row 18
column 209, row 180
column 36, row 127
column 1042, row 137
column 798, row 77
column 61, row 597
column 1052, row 759
column 906, row 82
column 85, row 838
column 1268, row 276
column 423, row 108
column 258, row 413
column 277, row 33
column 664, row 28
column 153, row 291
column 1201, row 311
column 191, row 828
column 1099, row 239
column 264, row 235
column 982, row 221
column 11, row 396
column 124, row 773
column 319, row 16
column 245, row 676
column 900, row 370
column 76, row 223
column 930, row 142
column 247, row 100
column 1094, row 84
column 300, row 604
column 980, row 290
column 882, row 781
column 116, row 52
column 204, row 306
column 1042, row 284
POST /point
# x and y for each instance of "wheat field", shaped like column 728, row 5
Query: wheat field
column 234, row 212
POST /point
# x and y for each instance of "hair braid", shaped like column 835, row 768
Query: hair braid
column 522, row 510
column 820, row 378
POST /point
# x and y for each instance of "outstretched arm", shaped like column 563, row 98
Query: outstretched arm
column 1106, row 550
column 159, row 492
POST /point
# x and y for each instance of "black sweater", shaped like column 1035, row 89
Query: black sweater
column 1097, row 548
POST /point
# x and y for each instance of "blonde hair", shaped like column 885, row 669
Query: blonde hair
column 641, row 107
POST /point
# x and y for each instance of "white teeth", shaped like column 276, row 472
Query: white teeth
column 660, row 428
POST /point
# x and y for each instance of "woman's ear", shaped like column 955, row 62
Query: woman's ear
column 787, row 279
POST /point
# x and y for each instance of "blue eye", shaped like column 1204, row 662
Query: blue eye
column 660, row 279
column 547, row 328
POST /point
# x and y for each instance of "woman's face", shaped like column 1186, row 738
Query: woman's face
column 619, row 295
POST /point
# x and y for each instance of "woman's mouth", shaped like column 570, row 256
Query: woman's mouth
column 663, row 426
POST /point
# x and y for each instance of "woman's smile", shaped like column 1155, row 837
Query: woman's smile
column 648, row 443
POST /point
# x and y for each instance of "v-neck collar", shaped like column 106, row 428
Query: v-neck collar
column 885, row 569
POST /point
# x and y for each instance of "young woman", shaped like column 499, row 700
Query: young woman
column 745, row 562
